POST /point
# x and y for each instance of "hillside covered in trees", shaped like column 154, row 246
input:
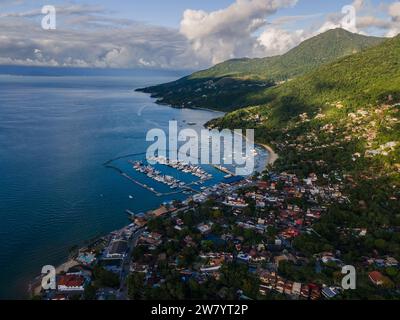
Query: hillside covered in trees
column 239, row 83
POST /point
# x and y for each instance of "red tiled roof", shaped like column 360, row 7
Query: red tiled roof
column 313, row 286
column 376, row 276
column 71, row 281
column 160, row 211
column 263, row 184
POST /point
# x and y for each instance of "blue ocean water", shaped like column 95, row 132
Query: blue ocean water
column 55, row 135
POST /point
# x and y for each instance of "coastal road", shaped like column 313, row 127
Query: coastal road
column 123, row 290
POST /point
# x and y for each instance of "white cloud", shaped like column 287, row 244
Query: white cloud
column 370, row 16
column 394, row 11
column 229, row 32
column 278, row 41
column 358, row 4
column 86, row 39
column 88, row 36
column 75, row 9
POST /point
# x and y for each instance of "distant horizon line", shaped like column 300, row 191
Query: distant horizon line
column 9, row 69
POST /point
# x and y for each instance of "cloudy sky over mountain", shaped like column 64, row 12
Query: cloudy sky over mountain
column 177, row 34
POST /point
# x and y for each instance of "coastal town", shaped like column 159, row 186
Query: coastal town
column 249, row 226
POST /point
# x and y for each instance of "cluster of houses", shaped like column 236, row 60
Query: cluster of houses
column 271, row 281
column 77, row 273
column 385, row 262
column 214, row 261
column 271, row 199
column 364, row 124
column 150, row 239
column 359, row 125
column 383, row 149
column 141, row 219
column 290, row 219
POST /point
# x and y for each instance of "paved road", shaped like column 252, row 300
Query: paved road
column 123, row 290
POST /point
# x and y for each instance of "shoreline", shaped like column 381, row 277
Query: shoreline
column 162, row 103
column 273, row 156
column 34, row 286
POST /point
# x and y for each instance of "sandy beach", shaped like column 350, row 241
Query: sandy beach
column 273, row 156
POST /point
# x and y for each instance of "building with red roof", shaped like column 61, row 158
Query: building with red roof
column 71, row 283
column 377, row 278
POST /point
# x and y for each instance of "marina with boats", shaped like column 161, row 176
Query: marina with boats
column 176, row 185
column 183, row 167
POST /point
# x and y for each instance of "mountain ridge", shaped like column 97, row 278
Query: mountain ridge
column 345, row 43
column 229, row 85
column 350, row 109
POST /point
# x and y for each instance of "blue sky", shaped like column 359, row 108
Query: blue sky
column 169, row 12
column 163, row 33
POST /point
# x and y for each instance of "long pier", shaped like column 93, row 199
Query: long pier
column 141, row 184
column 158, row 194
column 186, row 187
column 108, row 162
column 127, row 176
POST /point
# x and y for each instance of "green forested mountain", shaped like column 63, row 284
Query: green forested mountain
column 337, row 119
column 342, row 122
column 236, row 83
column 310, row 54
column 354, row 99
column 366, row 79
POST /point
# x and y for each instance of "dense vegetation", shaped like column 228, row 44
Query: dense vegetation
column 241, row 82
column 365, row 80
column 339, row 120
column 328, row 122
column 314, row 52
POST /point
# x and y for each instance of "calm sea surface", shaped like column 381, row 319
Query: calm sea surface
column 55, row 135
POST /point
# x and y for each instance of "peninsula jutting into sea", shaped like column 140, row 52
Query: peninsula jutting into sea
column 250, row 152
